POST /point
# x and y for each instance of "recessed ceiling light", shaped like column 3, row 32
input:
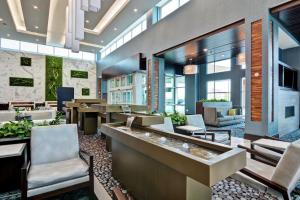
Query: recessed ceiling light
column 1, row 19
column 37, row 40
column 223, row 55
column 87, row 21
column 35, row 7
column 205, row 50
column 102, row 41
column 8, row 35
column 135, row 10
column 115, row 29
column 36, row 27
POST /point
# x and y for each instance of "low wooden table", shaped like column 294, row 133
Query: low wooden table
column 12, row 157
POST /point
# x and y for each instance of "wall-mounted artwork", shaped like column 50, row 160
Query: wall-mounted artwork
column 53, row 76
column 17, row 81
column 24, row 61
column 85, row 92
column 79, row 74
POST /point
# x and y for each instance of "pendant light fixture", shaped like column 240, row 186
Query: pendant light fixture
column 75, row 21
column 190, row 69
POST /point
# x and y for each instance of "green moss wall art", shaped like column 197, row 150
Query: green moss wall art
column 79, row 74
column 24, row 61
column 85, row 92
column 25, row 82
column 53, row 76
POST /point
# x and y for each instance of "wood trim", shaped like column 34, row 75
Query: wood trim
column 156, row 84
column 149, row 84
column 256, row 70
column 285, row 6
column 224, row 28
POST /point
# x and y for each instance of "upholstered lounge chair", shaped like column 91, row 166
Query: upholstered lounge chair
column 57, row 165
column 268, row 150
column 283, row 177
column 166, row 126
column 214, row 135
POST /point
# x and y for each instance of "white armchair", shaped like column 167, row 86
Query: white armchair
column 283, row 177
column 166, row 126
column 197, row 121
column 57, row 165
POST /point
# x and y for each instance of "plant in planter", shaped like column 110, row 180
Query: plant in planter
column 213, row 100
column 177, row 118
column 58, row 118
column 16, row 129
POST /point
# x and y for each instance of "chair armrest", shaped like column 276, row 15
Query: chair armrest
column 219, row 130
column 118, row 195
column 272, row 161
column 207, row 133
column 86, row 157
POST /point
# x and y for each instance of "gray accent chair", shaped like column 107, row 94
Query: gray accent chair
column 57, row 164
column 220, row 136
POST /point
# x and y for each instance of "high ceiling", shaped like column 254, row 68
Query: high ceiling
column 36, row 21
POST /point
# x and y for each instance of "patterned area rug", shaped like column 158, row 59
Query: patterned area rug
column 237, row 130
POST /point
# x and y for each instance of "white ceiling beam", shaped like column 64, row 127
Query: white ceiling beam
column 109, row 16
column 56, row 23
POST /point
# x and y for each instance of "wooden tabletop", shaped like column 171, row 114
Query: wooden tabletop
column 11, row 150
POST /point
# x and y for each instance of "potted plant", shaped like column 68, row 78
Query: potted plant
column 177, row 118
column 16, row 132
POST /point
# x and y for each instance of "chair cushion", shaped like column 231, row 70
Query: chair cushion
column 57, row 186
column 219, row 137
column 54, row 143
column 272, row 154
column 260, row 168
column 49, row 174
column 287, row 172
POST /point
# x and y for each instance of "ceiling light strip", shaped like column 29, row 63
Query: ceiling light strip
column 16, row 11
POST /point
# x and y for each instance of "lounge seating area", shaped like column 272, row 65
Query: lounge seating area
column 133, row 100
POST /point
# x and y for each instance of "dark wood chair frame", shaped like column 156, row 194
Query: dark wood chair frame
column 212, row 132
column 267, row 182
column 89, row 184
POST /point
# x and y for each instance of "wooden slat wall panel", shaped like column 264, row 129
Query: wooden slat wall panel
column 149, row 84
column 256, row 70
column 156, row 84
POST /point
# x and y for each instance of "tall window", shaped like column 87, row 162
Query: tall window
column 243, row 95
column 219, row 89
column 175, row 93
column 219, row 66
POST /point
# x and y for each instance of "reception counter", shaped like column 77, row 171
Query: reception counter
column 152, row 164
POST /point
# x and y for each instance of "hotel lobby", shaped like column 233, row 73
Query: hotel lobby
column 150, row 99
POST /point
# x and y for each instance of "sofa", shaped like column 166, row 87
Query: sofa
column 217, row 114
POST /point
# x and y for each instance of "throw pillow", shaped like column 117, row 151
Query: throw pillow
column 232, row 112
